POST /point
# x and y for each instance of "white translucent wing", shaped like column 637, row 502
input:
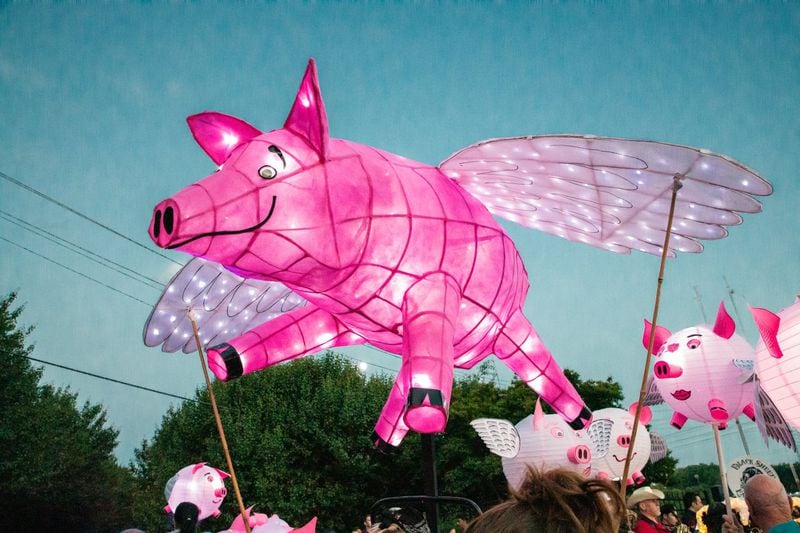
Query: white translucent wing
column 599, row 432
column 500, row 436
column 224, row 306
column 658, row 447
column 770, row 421
column 607, row 192
column 653, row 397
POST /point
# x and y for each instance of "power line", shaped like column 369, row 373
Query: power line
column 120, row 382
column 80, row 250
column 77, row 272
column 82, row 215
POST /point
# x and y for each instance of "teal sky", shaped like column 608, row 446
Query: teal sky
column 94, row 98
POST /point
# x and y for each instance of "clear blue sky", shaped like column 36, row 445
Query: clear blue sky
column 94, row 96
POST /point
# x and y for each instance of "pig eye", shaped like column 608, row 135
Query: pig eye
column 557, row 433
column 693, row 344
column 210, row 478
column 267, row 172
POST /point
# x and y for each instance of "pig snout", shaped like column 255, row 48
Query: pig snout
column 164, row 225
column 624, row 440
column 220, row 492
column 579, row 454
column 664, row 370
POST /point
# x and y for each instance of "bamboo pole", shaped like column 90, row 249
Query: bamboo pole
column 723, row 476
column 218, row 420
column 676, row 185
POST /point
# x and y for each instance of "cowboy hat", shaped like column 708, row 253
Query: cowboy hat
column 643, row 494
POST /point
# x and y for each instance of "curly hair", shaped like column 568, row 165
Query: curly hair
column 555, row 501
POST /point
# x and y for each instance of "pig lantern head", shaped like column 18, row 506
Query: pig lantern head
column 610, row 434
column 702, row 372
column 199, row 484
column 778, row 358
column 539, row 440
column 406, row 256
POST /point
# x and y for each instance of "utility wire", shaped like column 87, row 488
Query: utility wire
column 83, row 216
column 120, row 382
column 80, row 250
column 78, row 273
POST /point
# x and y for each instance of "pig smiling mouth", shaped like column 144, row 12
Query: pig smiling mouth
column 227, row 232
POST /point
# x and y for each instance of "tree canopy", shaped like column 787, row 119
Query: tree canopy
column 56, row 459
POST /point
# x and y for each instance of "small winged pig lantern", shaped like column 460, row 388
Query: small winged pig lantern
column 199, row 484
column 539, row 440
column 610, row 434
column 706, row 373
column 778, row 358
column 406, row 256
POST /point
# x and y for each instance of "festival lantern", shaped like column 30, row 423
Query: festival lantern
column 610, row 434
column 407, row 256
column 778, row 358
column 538, row 440
column 199, row 484
column 262, row 523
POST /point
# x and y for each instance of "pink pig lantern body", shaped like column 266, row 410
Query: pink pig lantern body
column 701, row 372
column 199, row 484
column 778, row 358
column 406, row 256
column 610, row 434
column 539, row 440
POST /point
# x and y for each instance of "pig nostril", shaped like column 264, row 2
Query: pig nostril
column 157, row 224
column 169, row 219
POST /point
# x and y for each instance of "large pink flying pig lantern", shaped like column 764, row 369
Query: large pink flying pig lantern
column 408, row 257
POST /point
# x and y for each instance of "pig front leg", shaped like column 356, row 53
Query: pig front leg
column 300, row 332
column 520, row 348
column 430, row 310
column 391, row 429
column 678, row 420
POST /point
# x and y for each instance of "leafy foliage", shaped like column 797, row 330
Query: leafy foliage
column 299, row 436
column 56, row 459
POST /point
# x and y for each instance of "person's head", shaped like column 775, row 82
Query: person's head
column 555, row 501
column 646, row 501
column 185, row 517
column 692, row 501
column 767, row 501
column 669, row 516
column 713, row 517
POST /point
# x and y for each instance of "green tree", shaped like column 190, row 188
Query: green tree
column 299, row 435
column 56, row 459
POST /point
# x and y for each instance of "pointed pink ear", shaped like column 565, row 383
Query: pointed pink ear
column 223, row 475
column 307, row 117
column 662, row 334
column 768, row 324
column 218, row 134
column 538, row 415
column 197, row 467
column 724, row 326
column 645, row 416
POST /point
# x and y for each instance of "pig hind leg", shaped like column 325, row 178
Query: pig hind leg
column 520, row 348
column 300, row 332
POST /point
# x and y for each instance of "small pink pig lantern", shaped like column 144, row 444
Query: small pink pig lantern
column 199, row 484
column 610, row 434
column 407, row 256
column 778, row 358
column 701, row 371
column 539, row 440
column 261, row 523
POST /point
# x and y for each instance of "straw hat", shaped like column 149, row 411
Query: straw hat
column 643, row 494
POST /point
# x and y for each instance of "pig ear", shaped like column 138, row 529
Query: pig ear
column 645, row 416
column 219, row 134
column 223, row 475
column 662, row 334
column 724, row 326
column 768, row 324
column 538, row 415
column 307, row 117
column 197, row 467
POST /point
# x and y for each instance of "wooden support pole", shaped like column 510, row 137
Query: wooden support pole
column 723, row 476
column 217, row 418
column 676, row 185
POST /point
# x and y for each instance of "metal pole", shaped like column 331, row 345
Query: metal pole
column 741, row 434
column 431, row 483
column 676, row 185
column 218, row 420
